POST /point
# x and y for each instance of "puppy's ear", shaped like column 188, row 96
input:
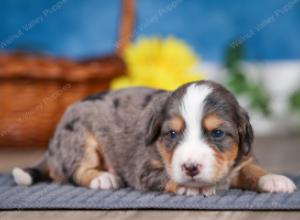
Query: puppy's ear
column 245, row 130
column 153, row 127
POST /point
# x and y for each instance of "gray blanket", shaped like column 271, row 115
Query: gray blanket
column 54, row 196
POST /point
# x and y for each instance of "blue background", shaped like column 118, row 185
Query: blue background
column 87, row 28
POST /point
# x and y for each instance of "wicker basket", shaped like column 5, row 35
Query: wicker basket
column 35, row 90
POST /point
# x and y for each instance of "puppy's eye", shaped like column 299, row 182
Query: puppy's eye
column 173, row 134
column 217, row 134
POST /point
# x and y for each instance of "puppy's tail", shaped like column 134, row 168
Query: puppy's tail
column 31, row 175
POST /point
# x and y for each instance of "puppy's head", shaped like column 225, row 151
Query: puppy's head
column 201, row 133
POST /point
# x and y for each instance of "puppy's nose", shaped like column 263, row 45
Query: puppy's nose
column 191, row 169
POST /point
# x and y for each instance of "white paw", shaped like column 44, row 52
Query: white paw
column 276, row 183
column 188, row 191
column 104, row 181
column 208, row 191
column 21, row 177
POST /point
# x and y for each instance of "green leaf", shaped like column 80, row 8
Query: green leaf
column 259, row 99
column 294, row 101
column 237, row 83
column 233, row 56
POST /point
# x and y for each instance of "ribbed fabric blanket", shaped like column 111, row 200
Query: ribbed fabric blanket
column 53, row 196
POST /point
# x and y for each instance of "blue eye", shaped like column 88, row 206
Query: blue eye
column 217, row 133
column 173, row 134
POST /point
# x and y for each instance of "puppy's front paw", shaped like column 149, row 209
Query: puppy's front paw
column 276, row 183
column 104, row 181
column 208, row 191
column 188, row 191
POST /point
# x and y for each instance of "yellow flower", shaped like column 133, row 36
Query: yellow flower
column 157, row 63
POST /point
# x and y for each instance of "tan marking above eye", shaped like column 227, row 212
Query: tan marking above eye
column 212, row 122
column 176, row 123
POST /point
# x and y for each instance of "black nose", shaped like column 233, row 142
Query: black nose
column 191, row 169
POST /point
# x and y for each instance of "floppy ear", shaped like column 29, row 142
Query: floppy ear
column 153, row 127
column 245, row 130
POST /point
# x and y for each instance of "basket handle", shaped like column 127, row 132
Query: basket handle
column 126, row 25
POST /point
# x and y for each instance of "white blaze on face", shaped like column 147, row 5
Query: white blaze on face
column 193, row 148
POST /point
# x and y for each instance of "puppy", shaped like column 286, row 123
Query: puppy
column 190, row 141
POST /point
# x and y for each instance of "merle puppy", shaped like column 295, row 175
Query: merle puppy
column 190, row 141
